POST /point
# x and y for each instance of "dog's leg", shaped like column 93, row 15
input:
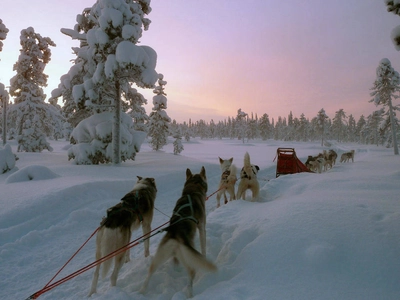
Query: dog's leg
column 192, row 274
column 241, row 192
column 255, row 190
column 94, row 281
column 218, row 199
column 118, row 262
column 98, row 256
column 232, row 195
column 225, row 198
column 164, row 252
column 146, row 227
column 202, row 234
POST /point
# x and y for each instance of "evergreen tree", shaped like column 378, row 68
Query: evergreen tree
column 371, row 129
column 359, row 129
column 108, row 62
column 265, row 127
column 302, row 128
column 3, row 102
column 3, row 33
column 3, row 93
column 241, row 124
column 386, row 84
column 178, row 147
column 351, row 129
column 33, row 118
column 339, row 125
column 321, row 121
column 159, row 120
column 394, row 7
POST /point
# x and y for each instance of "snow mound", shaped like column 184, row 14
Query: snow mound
column 32, row 173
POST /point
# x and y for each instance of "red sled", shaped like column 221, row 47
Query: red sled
column 288, row 163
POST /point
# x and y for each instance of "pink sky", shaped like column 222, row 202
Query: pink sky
column 263, row 56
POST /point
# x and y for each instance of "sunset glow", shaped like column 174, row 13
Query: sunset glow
column 219, row 56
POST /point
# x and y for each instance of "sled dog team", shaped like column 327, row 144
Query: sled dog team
column 326, row 160
column 189, row 215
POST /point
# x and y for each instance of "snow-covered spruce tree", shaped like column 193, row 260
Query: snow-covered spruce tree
column 359, row 127
column 321, row 121
column 339, row 125
column 3, row 104
column 264, row 127
column 178, row 147
column 3, row 93
column 109, row 63
column 158, row 119
column 3, row 33
column 33, row 118
column 371, row 128
column 302, row 128
column 241, row 124
column 386, row 84
column 394, row 7
column 351, row 129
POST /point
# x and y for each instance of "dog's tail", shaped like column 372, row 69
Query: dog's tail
column 247, row 162
column 195, row 259
column 247, row 165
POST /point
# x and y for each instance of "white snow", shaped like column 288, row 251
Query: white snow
column 326, row 236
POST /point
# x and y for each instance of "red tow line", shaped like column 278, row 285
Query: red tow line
column 50, row 285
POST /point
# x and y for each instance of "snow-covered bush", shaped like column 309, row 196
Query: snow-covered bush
column 32, row 173
column 7, row 159
column 178, row 147
column 92, row 140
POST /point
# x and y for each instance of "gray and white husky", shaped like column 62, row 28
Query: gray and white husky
column 136, row 208
column 188, row 216
column 227, row 182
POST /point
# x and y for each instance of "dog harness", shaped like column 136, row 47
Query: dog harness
column 225, row 175
column 189, row 204
column 245, row 174
column 124, row 205
column 134, row 206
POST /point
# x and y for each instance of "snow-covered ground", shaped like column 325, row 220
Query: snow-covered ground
column 334, row 235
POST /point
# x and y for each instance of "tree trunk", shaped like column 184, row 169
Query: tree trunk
column 4, row 121
column 392, row 124
column 116, row 132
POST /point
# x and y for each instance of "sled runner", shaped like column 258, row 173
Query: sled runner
column 288, row 163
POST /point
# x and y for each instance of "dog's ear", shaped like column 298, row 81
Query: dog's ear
column 231, row 160
column 188, row 174
column 139, row 178
column 258, row 168
column 153, row 181
column 203, row 172
column 220, row 160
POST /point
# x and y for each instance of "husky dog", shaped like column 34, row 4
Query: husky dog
column 188, row 215
column 347, row 156
column 228, row 180
column 115, row 231
column 328, row 164
column 332, row 155
column 318, row 165
column 248, row 179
